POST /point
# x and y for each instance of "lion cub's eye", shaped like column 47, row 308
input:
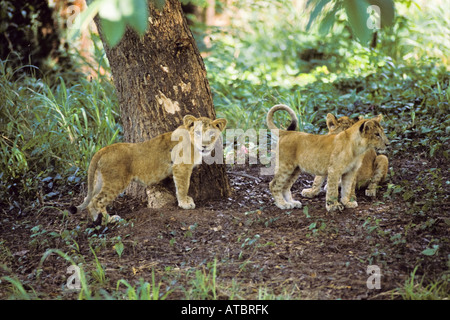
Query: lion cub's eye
column 377, row 134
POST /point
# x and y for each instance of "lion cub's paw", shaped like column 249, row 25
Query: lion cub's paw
column 289, row 205
column 334, row 206
column 371, row 192
column 296, row 204
column 309, row 193
column 284, row 205
column 351, row 204
column 187, row 204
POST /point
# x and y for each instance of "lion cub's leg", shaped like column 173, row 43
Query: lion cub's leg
column 315, row 189
column 379, row 174
column 332, row 203
column 182, row 178
column 282, row 178
column 113, row 184
column 348, row 184
column 287, row 195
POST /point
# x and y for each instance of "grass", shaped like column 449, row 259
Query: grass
column 144, row 290
column 47, row 129
column 17, row 291
column 203, row 284
column 49, row 132
column 415, row 288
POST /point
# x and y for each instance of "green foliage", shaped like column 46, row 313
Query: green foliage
column 119, row 248
column 17, row 291
column 203, row 284
column 273, row 60
column 415, row 288
column 427, row 191
column 358, row 14
column 267, row 58
column 49, row 133
column 31, row 37
column 114, row 16
column 144, row 290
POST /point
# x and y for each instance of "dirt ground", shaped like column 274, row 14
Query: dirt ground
column 299, row 253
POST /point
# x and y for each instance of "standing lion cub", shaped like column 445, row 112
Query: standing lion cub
column 337, row 156
column 373, row 169
column 113, row 167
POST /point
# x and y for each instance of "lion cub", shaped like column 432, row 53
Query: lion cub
column 113, row 167
column 337, row 156
column 373, row 169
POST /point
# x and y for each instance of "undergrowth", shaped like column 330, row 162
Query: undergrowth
column 49, row 132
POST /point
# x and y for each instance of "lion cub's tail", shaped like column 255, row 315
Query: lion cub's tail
column 294, row 122
column 91, row 176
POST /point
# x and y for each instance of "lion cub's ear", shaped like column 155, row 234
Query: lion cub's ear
column 189, row 120
column 332, row 122
column 378, row 118
column 368, row 125
column 220, row 123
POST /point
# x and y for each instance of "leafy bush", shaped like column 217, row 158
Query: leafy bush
column 268, row 58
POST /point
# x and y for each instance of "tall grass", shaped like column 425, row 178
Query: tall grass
column 143, row 291
column 415, row 289
column 17, row 291
column 48, row 130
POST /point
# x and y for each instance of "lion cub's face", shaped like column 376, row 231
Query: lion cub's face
column 374, row 133
column 204, row 132
column 370, row 129
column 336, row 125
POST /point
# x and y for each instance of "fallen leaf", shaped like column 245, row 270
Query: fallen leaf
column 21, row 253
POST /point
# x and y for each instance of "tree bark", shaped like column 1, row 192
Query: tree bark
column 160, row 78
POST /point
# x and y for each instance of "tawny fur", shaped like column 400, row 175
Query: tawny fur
column 113, row 167
column 373, row 169
column 337, row 156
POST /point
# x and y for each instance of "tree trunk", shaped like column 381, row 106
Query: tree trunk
column 160, row 78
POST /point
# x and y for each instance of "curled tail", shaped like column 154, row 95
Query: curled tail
column 294, row 122
column 91, row 176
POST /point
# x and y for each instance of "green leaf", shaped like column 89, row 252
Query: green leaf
column 327, row 22
column 113, row 30
column 358, row 19
column 320, row 4
column 139, row 18
column 119, row 248
column 430, row 251
column 306, row 211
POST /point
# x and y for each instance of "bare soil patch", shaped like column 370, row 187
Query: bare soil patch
column 258, row 248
